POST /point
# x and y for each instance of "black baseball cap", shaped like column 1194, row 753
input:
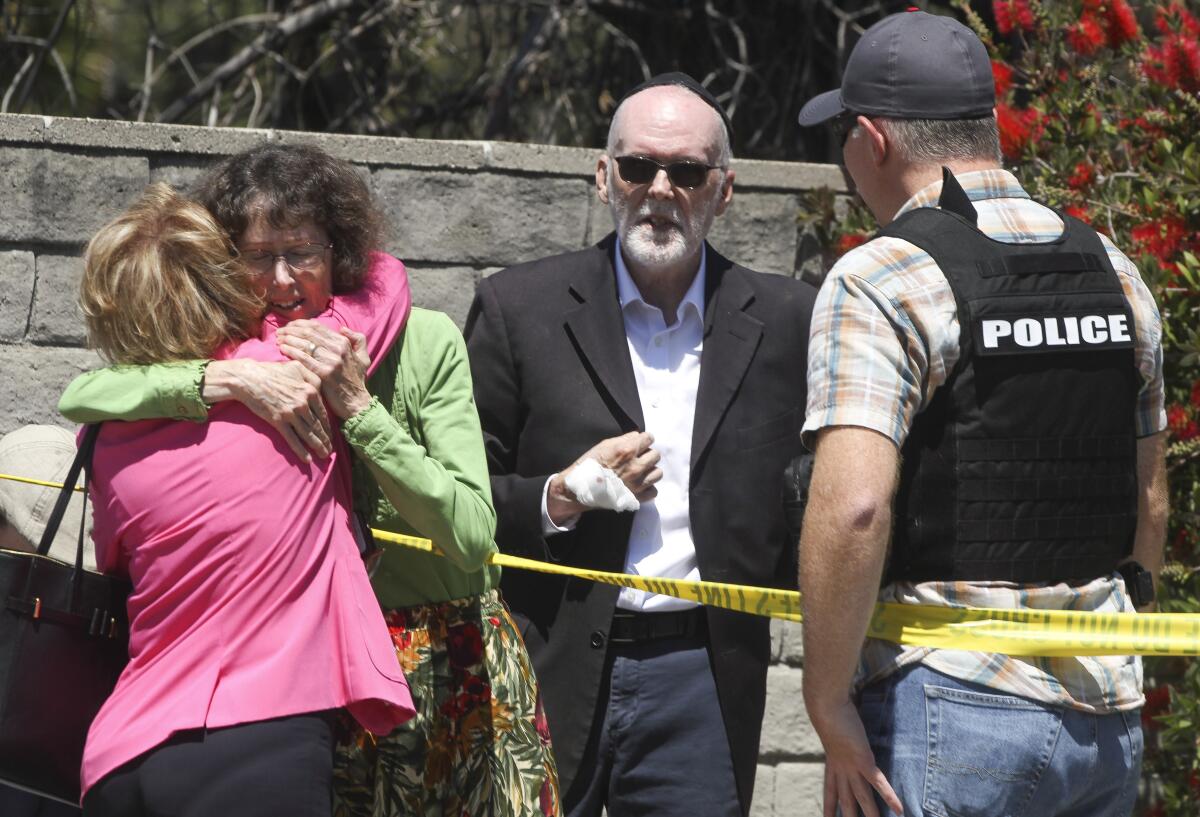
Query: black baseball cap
column 912, row 65
column 687, row 82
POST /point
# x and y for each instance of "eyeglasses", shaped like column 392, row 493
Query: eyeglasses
column 843, row 124
column 304, row 258
column 640, row 170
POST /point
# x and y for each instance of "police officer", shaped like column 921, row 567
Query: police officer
column 988, row 374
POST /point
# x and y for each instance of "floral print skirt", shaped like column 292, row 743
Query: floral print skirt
column 478, row 746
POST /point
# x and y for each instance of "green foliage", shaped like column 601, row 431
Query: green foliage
column 1097, row 108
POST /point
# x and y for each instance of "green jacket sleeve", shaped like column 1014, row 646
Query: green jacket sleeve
column 164, row 390
column 440, row 488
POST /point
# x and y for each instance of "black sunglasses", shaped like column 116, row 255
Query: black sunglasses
column 640, row 170
column 843, row 123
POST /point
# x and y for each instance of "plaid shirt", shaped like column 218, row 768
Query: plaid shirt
column 885, row 336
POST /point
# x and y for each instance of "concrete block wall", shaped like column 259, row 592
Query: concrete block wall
column 458, row 210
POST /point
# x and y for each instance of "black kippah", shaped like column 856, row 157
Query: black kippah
column 683, row 81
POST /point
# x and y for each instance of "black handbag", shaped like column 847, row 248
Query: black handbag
column 64, row 639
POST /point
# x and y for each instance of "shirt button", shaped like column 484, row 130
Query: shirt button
column 658, row 341
column 597, row 639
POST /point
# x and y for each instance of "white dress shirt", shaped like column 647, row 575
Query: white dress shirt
column 666, row 366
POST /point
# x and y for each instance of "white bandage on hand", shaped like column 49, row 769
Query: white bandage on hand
column 598, row 487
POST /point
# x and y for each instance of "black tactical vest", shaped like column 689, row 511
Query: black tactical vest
column 1023, row 465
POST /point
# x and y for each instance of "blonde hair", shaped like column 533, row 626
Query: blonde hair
column 161, row 282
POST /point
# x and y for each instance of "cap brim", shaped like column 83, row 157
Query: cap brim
column 822, row 108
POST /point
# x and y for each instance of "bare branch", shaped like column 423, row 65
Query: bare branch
column 12, row 87
column 51, row 39
column 63, row 73
column 180, row 53
column 533, row 41
column 288, row 26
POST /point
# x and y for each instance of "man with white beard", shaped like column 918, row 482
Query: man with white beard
column 640, row 400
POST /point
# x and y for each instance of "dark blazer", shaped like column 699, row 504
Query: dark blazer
column 553, row 377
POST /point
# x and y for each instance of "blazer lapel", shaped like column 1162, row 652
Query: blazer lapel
column 598, row 331
column 730, row 340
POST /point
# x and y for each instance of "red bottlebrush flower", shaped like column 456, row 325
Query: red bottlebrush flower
column 1024, row 14
column 1162, row 239
column 1182, row 427
column 1196, row 395
column 1017, row 129
column 1078, row 211
column 1084, row 175
column 849, row 241
column 1182, row 545
column 1175, row 63
column 1104, row 22
column 1086, row 36
column 1175, row 17
column 1158, row 700
column 1143, row 122
column 1003, row 14
column 1011, row 15
column 1176, row 417
column 1122, row 24
column 1002, row 73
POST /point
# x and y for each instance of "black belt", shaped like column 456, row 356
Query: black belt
column 631, row 628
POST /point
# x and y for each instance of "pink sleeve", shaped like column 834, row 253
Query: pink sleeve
column 378, row 308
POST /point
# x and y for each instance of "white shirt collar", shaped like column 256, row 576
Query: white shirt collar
column 628, row 292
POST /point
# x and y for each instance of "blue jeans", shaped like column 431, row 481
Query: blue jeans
column 953, row 748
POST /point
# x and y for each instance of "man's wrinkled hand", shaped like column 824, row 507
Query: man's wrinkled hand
column 629, row 456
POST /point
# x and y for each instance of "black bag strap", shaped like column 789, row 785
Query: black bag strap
column 82, row 457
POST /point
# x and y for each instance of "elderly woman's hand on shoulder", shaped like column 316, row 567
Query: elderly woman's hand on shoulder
column 286, row 395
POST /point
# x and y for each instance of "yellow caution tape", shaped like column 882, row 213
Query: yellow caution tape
column 1025, row 632
column 32, row 481
column 1044, row 633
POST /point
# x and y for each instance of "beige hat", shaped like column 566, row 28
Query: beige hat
column 45, row 453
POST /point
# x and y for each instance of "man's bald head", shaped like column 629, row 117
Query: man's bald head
column 672, row 112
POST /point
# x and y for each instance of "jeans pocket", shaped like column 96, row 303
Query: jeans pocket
column 986, row 752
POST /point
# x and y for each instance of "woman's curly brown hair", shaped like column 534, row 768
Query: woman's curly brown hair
column 289, row 184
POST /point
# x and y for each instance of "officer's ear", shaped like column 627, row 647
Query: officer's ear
column 876, row 139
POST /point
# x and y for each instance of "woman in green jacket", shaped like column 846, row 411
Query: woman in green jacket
column 479, row 743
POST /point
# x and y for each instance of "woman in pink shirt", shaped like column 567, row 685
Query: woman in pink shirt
column 252, row 621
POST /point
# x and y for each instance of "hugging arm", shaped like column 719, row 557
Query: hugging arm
column 439, row 488
column 284, row 394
